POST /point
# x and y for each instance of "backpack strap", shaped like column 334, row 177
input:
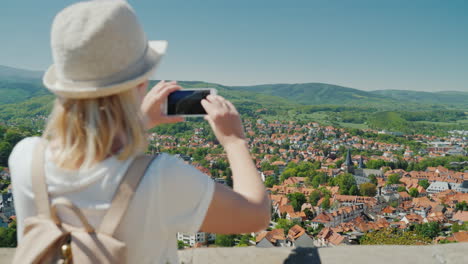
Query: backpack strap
column 124, row 194
column 39, row 186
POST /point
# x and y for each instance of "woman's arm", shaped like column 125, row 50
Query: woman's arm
column 246, row 208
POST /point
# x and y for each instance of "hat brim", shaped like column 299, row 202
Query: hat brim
column 81, row 90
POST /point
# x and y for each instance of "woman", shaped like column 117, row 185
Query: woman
column 102, row 62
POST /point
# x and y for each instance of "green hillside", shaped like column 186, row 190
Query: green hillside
column 317, row 93
column 24, row 101
column 452, row 98
column 9, row 73
column 321, row 93
column 17, row 91
column 388, row 120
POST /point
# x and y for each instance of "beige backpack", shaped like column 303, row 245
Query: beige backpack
column 47, row 240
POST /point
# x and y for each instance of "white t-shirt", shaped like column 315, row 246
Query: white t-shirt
column 172, row 197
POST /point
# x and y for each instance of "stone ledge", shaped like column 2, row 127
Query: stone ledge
column 437, row 254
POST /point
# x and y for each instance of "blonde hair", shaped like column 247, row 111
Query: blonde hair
column 87, row 129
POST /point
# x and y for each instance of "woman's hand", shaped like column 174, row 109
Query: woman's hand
column 224, row 120
column 152, row 102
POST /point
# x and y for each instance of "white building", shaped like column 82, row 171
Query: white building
column 460, row 187
column 193, row 238
column 439, row 186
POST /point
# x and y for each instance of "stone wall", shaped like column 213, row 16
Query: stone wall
column 437, row 254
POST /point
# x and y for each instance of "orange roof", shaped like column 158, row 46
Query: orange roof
column 388, row 210
column 287, row 208
column 279, row 163
column 295, row 232
column 297, row 215
column 404, row 195
column 461, row 236
column 436, row 217
column 461, row 216
column 414, row 218
column 330, row 236
column 294, row 180
column 424, row 202
column 322, row 218
column 272, row 236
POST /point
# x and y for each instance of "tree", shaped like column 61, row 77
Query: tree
column 229, row 177
column 401, row 189
column 339, row 163
column 345, row 181
column 373, row 179
column 430, row 230
column 224, row 240
column 289, row 172
column 317, row 230
column 5, row 150
column 325, row 203
column 375, row 164
column 297, row 199
column 309, row 214
column 180, row 244
column 285, row 224
column 394, row 203
column 275, row 217
column 283, row 215
column 265, row 166
column 393, row 236
column 244, row 240
column 2, row 131
column 413, row 192
column 314, row 197
column 8, row 235
column 424, row 183
column 368, row 189
column 353, row 190
column 13, row 136
column 393, row 179
column 270, row 181
column 461, row 206
column 457, row 227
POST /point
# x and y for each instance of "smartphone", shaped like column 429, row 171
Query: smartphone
column 187, row 102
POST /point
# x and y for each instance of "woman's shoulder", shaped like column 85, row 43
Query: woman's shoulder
column 169, row 161
column 19, row 163
column 22, row 148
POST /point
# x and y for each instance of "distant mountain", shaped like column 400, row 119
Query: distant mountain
column 9, row 73
column 321, row 93
column 448, row 97
column 17, row 85
column 317, row 93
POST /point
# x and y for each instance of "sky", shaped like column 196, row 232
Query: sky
column 364, row 44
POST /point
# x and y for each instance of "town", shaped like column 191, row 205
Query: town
column 332, row 186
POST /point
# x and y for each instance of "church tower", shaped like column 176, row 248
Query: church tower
column 348, row 164
column 361, row 163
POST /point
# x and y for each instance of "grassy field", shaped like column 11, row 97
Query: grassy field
column 459, row 122
column 352, row 125
column 319, row 117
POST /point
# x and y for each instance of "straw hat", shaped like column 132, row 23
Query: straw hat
column 99, row 49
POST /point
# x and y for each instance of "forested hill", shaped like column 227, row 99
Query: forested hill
column 18, row 85
column 322, row 93
column 9, row 73
column 24, row 101
column 448, row 97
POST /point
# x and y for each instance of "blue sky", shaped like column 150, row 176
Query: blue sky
column 364, row 44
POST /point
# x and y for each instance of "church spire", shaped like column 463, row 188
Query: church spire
column 349, row 161
column 349, row 165
column 361, row 163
